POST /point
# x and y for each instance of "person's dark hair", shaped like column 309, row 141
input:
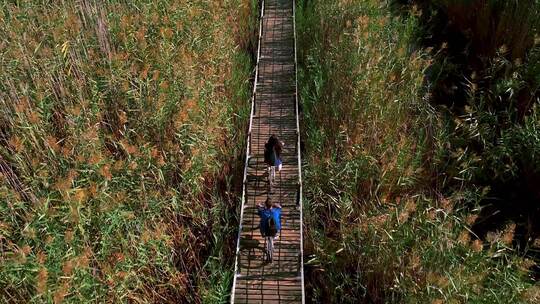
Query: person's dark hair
column 268, row 203
column 278, row 147
column 273, row 142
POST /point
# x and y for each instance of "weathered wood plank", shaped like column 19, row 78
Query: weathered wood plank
column 274, row 113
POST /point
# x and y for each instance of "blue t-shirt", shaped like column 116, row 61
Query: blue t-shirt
column 265, row 214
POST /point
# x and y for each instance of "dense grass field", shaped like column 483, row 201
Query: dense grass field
column 122, row 133
column 121, row 130
column 422, row 137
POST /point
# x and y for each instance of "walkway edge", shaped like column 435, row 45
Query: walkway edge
column 244, row 179
column 300, row 184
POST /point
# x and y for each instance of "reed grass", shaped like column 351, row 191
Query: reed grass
column 121, row 129
column 389, row 179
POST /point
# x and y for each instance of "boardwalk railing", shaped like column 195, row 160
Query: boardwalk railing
column 274, row 110
column 299, row 154
column 244, row 179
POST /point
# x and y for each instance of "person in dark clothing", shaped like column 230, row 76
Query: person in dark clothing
column 272, row 156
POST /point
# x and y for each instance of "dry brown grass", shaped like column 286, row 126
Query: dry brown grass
column 120, row 137
column 380, row 225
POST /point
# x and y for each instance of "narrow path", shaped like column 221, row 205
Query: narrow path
column 274, row 111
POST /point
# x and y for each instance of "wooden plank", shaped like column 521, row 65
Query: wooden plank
column 274, row 112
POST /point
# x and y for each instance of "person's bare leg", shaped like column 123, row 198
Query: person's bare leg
column 273, row 174
column 270, row 247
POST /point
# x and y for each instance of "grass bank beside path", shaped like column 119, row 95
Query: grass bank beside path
column 391, row 193
column 121, row 138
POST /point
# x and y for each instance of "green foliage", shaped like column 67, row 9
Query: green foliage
column 390, row 176
column 119, row 131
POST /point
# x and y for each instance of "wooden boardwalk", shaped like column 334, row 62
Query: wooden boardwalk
column 274, row 111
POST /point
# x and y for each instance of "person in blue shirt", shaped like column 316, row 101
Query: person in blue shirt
column 270, row 225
